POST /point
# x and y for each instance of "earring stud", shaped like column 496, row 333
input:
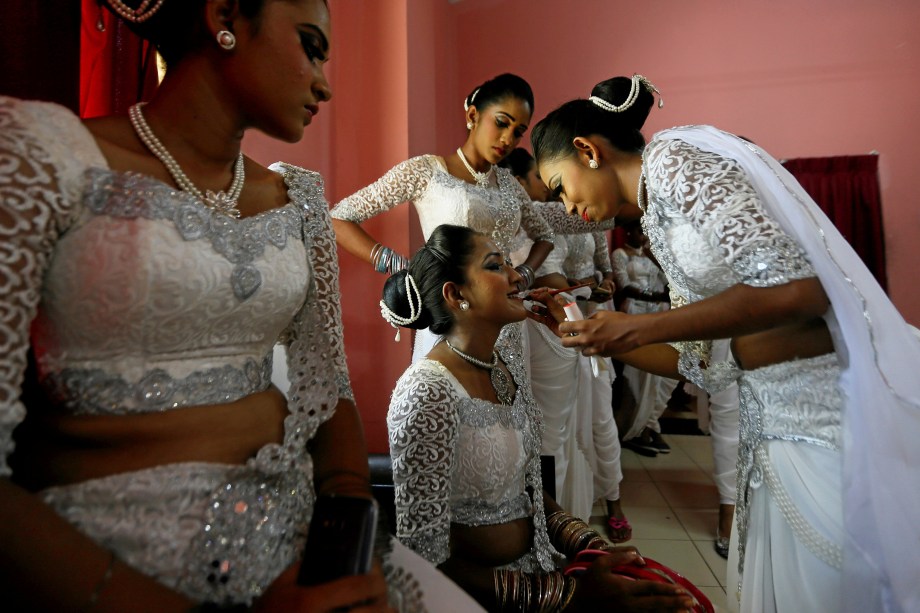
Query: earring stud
column 592, row 164
column 226, row 40
column 464, row 305
column 469, row 125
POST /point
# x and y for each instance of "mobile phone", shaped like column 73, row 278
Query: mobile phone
column 340, row 541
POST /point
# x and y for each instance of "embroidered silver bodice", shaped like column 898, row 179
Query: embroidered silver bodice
column 458, row 459
column 441, row 198
column 144, row 300
column 708, row 230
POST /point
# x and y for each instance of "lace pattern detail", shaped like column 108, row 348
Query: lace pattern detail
column 440, row 198
column 586, row 253
column 43, row 152
column 240, row 241
column 316, row 338
column 464, row 460
column 562, row 223
column 714, row 195
column 405, row 182
column 784, row 401
column 706, row 226
column 215, row 532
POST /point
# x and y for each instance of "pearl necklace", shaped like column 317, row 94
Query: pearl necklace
column 481, row 178
column 224, row 202
column 499, row 379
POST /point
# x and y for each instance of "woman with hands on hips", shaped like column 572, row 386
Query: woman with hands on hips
column 749, row 256
column 464, row 188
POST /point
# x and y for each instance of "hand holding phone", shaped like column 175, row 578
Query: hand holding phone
column 340, row 541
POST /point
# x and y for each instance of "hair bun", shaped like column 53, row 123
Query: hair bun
column 397, row 300
column 618, row 90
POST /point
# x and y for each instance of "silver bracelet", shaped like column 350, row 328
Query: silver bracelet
column 527, row 273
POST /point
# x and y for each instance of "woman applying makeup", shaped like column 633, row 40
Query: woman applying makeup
column 823, row 520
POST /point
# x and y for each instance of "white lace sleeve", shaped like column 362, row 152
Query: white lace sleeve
column 562, row 223
column 405, row 182
column 43, row 151
column 316, row 348
column 716, row 196
column 423, row 429
column 531, row 219
column 621, row 270
column 601, row 253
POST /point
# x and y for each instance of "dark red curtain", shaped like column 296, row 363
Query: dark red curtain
column 39, row 50
column 116, row 67
column 847, row 190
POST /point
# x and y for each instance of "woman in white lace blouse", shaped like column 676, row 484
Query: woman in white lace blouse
column 465, row 439
column 830, row 411
column 464, row 188
column 157, row 267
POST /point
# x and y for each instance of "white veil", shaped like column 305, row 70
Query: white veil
column 880, row 361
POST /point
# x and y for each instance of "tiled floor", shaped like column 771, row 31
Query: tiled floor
column 673, row 506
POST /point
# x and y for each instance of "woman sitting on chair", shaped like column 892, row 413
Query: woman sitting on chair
column 465, row 439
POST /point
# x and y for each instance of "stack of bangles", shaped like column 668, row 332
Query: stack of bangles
column 527, row 273
column 569, row 535
column 518, row 591
column 386, row 260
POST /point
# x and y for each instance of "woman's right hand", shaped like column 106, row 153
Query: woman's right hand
column 357, row 594
column 599, row 586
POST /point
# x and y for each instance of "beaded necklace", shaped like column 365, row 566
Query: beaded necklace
column 481, row 178
column 499, row 379
column 224, row 202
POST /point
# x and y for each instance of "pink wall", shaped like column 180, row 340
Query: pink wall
column 802, row 79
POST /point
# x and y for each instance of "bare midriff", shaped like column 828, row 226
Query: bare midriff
column 782, row 344
column 55, row 449
column 494, row 545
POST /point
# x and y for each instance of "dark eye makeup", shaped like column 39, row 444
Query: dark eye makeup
column 312, row 47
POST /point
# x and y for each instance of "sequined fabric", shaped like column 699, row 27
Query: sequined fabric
column 465, row 460
column 441, row 198
column 144, row 301
column 796, row 401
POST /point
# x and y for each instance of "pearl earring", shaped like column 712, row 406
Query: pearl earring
column 226, row 40
column 592, row 164
column 464, row 305
column 469, row 125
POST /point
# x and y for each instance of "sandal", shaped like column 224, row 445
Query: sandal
column 721, row 546
column 621, row 526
